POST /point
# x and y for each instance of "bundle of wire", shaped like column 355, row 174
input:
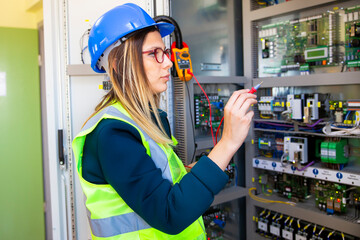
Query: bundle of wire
column 263, row 200
column 343, row 131
column 284, row 127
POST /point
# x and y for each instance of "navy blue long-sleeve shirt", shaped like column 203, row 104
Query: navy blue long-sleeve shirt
column 114, row 154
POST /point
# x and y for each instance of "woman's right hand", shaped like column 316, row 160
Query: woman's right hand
column 237, row 120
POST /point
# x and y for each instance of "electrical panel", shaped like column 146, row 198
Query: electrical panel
column 217, row 94
column 318, row 42
column 305, row 140
column 302, row 154
column 309, row 156
column 275, row 225
column 266, row 3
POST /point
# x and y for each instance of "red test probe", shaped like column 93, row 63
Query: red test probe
column 254, row 89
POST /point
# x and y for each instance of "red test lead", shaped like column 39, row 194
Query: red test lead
column 254, row 89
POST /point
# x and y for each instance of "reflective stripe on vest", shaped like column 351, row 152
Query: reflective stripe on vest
column 157, row 154
column 112, row 226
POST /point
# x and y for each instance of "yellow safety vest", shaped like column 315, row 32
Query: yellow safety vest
column 109, row 216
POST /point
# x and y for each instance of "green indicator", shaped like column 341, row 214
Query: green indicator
column 317, row 53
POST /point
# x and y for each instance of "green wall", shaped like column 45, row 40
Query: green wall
column 21, row 177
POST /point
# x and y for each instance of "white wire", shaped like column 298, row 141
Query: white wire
column 331, row 233
column 283, row 158
column 279, row 218
column 343, row 131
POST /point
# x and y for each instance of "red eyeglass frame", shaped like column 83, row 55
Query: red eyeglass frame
column 167, row 51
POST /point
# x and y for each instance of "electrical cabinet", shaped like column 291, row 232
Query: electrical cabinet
column 306, row 55
column 303, row 176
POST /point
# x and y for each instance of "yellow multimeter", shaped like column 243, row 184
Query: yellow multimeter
column 182, row 61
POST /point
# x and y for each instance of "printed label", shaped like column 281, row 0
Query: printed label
column 287, row 234
column 262, row 226
column 275, row 230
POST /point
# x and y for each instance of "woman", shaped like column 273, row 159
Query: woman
column 135, row 185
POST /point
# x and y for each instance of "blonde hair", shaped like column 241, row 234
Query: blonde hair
column 131, row 88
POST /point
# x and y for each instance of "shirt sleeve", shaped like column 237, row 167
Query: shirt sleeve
column 133, row 174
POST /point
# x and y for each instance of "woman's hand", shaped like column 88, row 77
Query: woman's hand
column 237, row 120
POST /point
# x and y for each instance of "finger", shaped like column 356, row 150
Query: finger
column 249, row 116
column 240, row 101
column 246, row 106
column 235, row 96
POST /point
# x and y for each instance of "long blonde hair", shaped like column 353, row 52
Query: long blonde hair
column 131, row 88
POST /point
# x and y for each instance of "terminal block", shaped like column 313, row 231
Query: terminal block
column 335, row 152
column 265, row 105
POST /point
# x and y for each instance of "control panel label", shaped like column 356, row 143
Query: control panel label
column 319, row 172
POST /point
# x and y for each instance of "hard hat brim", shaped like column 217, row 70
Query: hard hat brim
column 165, row 28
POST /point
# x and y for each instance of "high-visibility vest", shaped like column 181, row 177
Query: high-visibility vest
column 109, row 216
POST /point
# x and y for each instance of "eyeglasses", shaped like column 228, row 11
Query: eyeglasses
column 159, row 53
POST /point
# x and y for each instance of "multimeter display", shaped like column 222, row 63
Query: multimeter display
column 184, row 66
column 183, row 60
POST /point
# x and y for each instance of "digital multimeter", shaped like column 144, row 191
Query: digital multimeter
column 182, row 61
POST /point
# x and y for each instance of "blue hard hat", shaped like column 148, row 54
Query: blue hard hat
column 116, row 24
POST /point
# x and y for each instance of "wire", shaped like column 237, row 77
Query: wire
column 291, row 221
column 273, row 218
column 314, row 229
column 265, row 117
column 298, row 224
column 287, row 113
column 328, row 236
column 207, row 98
column 287, row 219
column 306, row 227
column 82, row 54
column 279, row 218
column 316, row 123
column 347, row 115
column 268, row 191
column 262, row 213
column 283, row 159
column 263, row 200
column 341, row 131
column 268, row 215
column 302, row 169
column 86, row 33
column 218, row 128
